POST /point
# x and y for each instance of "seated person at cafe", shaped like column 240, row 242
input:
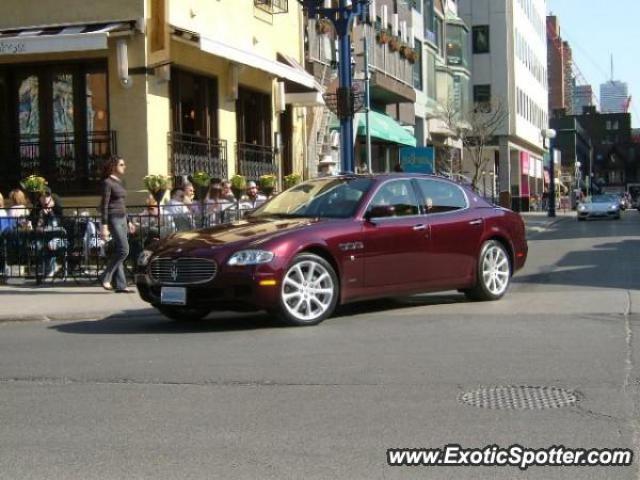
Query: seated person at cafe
column 227, row 194
column 46, row 218
column 18, row 206
column 253, row 198
column 176, row 205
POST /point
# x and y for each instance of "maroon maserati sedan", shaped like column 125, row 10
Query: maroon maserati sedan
column 335, row 240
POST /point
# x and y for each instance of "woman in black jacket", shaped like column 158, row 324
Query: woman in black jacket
column 114, row 223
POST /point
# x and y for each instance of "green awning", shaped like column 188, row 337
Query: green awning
column 382, row 127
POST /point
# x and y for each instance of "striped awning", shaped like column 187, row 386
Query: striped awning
column 59, row 38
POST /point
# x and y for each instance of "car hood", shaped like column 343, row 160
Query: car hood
column 249, row 233
column 599, row 207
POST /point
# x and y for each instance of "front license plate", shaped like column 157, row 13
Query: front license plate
column 173, row 296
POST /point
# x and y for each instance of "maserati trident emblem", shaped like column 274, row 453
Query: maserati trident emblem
column 174, row 271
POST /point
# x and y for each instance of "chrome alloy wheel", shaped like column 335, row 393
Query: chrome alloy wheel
column 495, row 270
column 307, row 291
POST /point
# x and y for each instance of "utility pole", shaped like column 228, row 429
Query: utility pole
column 342, row 18
column 367, row 93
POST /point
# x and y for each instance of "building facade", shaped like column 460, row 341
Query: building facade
column 512, row 72
column 583, row 97
column 560, row 68
column 170, row 86
column 614, row 97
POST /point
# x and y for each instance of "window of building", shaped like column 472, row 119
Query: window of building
column 253, row 116
column 55, row 123
column 430, row 63
column 481, row 39
column 417, row 66
column 457, row 36
column 482, row 97
column 194, row 104
column 429, row 20
column 439, row 31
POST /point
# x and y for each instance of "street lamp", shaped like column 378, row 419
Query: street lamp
column 484, row 183
column 342, row 17
column 550, row 134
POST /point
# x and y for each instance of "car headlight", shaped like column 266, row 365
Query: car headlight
column 582, row 208
column 613, row 207
column 143, row 258
column 250, row 257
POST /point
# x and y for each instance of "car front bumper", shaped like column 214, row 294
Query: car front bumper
column 238, row 291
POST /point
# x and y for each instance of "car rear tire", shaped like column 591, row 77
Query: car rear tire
column 183, row 314
column 493, row 273
column 309, row 292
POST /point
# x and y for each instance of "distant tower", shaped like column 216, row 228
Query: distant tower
column 614, row 95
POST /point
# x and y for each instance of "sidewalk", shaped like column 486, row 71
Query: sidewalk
column 539, row 221
column 27, row 302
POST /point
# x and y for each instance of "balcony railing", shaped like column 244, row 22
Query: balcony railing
column 320, row 47
column 192, row 153
column 255, row 160
column 71, row 164
column 390, row 63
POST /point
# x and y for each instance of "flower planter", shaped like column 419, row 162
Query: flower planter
column 394, row 44
column 382, row 37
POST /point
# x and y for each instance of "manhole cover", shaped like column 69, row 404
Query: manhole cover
column 517, row 397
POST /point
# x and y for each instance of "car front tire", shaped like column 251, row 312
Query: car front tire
column 493, row 273
column 183, row 314
column 309, row 292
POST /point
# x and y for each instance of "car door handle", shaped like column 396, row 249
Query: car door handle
column 478, row 221
column 419, row 227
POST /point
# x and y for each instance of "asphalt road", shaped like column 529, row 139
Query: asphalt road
column 242, row 398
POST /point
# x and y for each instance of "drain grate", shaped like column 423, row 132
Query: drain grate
column 519, row 397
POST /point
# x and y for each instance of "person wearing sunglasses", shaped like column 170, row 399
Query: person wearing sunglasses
column 115, row 225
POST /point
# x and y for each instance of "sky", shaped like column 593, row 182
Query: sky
column 596, row 29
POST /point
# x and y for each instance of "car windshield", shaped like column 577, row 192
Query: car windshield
column 601, row 199
column 324, row 198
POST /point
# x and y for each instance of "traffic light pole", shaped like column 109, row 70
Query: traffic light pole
column 342, row 18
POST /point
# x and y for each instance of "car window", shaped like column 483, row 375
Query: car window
column 398, row 194
column 441, row 196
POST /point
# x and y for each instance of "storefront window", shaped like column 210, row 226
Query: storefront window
column 29, row 109
column 457, row 39
column 62, row 91
column 54, row 135
column 97, row 105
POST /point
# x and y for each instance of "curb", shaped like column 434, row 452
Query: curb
column 71, row 317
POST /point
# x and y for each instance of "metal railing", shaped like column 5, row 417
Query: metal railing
column 255, row 160
column 382, row 59
column 69, row 247
column 72, row 164
column 192, row 153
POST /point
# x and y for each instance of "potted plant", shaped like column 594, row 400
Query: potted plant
column 157, row 185
column 33, row 185
column 324, row 26
column 201, row 181
column 383, row 36
column 411, row 55
column 238, row 186
column 292, row 180
column 267, row 184
column 394, row 44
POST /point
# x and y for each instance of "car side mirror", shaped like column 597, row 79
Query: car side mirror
column 379, row 211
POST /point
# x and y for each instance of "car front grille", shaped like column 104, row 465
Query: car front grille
column 183, row 271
